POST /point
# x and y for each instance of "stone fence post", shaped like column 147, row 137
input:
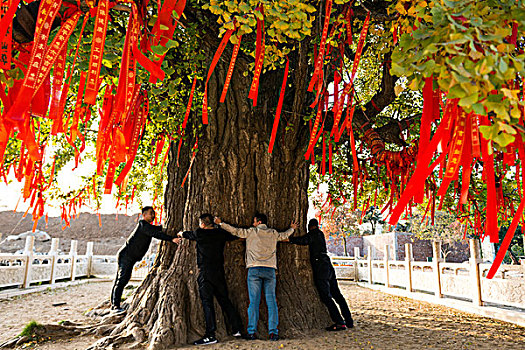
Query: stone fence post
column 387, row 265
column 369, row 258
column 53, row 252
column 28, row 252
column 474, row 271
column 408, row 260
column 357, row 253
column 73, row 257
column 436, row 260
column 89, row 255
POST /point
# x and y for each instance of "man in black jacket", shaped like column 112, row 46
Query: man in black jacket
column 135, row 248
column 324, row 277
column 211, row 280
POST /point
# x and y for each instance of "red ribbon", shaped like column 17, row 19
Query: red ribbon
column 279, row 107
column 454, row 155
column 491, row 222
column 259, row 57
column 6, row 37
column 506, row 241
column 230, row 69
column 58, row 80
column 357, row 58
column 214, row 61
column 97, row 52
column 320, row 56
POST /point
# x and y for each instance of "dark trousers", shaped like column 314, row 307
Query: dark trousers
column 125, row 268
column 212, row 283
column 326, row 284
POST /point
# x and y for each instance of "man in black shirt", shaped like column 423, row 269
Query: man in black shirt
column 324, row 277
column 211, row 280
column 135, row 248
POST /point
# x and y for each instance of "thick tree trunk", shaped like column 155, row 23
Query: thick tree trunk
column 234, row 176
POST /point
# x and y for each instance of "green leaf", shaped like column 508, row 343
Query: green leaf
column 159, row 49
column 172, row 43
column 469, row 100
column 503, row 66
column 478, row 108
column 456, row 92
column 504, row 139
column 489, row 131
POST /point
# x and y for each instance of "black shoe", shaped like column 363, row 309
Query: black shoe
column 237, row 334
column 250, row 336
column 336, row 327
column 274, row 337
column 117, row 309
column 349, row 323
column 206, row 340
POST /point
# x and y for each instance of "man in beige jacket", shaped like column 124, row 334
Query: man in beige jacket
column 261, row 261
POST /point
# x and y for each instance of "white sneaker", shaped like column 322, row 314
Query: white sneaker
column 237, row 334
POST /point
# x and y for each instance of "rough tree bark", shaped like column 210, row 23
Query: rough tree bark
column 233, row 176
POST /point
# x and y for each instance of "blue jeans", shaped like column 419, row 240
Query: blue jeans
column 262, row 278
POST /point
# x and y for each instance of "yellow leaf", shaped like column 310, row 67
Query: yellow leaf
column 398, row 89
column 400, row 8
column 511, row 94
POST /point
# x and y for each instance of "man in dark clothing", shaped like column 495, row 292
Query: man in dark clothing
column 324, row 277
column 211, row 280
column 135, row 248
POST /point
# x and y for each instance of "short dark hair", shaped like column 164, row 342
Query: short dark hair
column 262, row 218
column 313, row 223
column 207, row 219
column 145, row 209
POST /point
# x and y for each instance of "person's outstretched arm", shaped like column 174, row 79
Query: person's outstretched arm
column 155, row 231
column 302, row 240
column 236, row 231
column 191, row 235
column 281, row 236
column 227, row 236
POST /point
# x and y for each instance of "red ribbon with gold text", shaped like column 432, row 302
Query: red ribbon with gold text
column 6, row 36
column 230, row 69
column 279, row 107
column 97, row 52
column 320, row 56
column 259, row 57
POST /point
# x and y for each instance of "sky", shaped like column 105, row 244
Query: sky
column 67, row 180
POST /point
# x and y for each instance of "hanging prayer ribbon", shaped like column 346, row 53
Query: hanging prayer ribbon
column 357, row 58
column 214, row 61
column 506, row 241
column 320, row 56
column 230, row 69
column 279, row 107
column 6, row 37
column 97, row 52
column 259, row 57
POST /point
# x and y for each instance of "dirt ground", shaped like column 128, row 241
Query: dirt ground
column 382, row 322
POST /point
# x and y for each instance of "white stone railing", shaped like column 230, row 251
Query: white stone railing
column 465, row 281
column 22, row 270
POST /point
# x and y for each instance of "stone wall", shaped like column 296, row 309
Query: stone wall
column 334, row 244
column 422, row 249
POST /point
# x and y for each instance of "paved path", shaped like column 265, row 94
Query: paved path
column 382, row 322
